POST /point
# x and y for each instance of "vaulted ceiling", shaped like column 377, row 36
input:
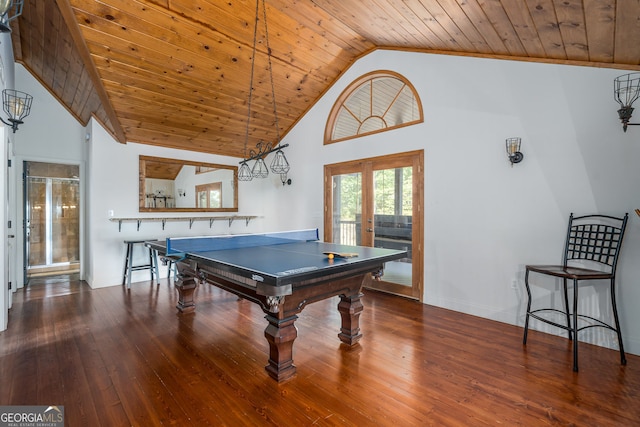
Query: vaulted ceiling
column 176, row 73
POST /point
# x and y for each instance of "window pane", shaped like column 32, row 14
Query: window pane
column 346, row 125
column 372, row 124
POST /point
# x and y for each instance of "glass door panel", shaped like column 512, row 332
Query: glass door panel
column 65, row 222
column 215, row 201
column 37, row 221
column 392, row 219
column 347, row 209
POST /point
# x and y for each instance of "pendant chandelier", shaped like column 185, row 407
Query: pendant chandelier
column 279, row 165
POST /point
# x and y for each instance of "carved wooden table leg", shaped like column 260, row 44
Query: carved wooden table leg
column 350, row 308
column 280, row 334
column 186, row 286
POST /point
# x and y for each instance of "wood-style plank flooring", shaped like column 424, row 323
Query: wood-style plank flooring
column 114, row 357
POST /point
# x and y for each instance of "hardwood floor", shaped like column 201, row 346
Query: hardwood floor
column 114, row 357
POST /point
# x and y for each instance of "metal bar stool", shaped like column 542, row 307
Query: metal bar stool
column 591, row 252
column 129, row 267
column 171, row 265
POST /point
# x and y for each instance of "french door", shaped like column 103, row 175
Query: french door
column 378, row 202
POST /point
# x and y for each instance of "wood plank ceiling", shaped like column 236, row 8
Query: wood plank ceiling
column 176, row 73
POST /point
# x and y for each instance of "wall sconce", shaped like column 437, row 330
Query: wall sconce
column 9, row 7
column 181, row 192
column 17, row 105
column 513, row 150
column 626, row 89
column 284, row 179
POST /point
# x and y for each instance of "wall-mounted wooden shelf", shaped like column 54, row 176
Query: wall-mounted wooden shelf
column 190, row 220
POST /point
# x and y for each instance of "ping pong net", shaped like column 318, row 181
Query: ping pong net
column 182, row 245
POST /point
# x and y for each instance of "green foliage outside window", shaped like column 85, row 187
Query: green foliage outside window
column 389, row 198
column 393, row 191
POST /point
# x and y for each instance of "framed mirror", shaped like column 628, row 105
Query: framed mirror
column 170, row 185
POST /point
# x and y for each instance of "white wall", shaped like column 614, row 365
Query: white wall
column 49, row 134
column 113, row 187
column 484, row 220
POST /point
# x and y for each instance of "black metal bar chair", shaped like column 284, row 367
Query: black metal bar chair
column 591, row 252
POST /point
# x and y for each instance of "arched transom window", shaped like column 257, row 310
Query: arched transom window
column 375, row 102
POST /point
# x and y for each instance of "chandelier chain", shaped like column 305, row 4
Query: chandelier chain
column 273, row 88
column 253, row 63
column 280, row 164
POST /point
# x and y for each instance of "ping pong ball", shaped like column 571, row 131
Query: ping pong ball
column 330, row 256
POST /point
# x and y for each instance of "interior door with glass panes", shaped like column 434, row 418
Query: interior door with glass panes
column 52, row 207
column 378, row 202
column 209, row 195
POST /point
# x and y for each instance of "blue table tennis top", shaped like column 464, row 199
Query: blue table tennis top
column 275, row 259
column 238, row 241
